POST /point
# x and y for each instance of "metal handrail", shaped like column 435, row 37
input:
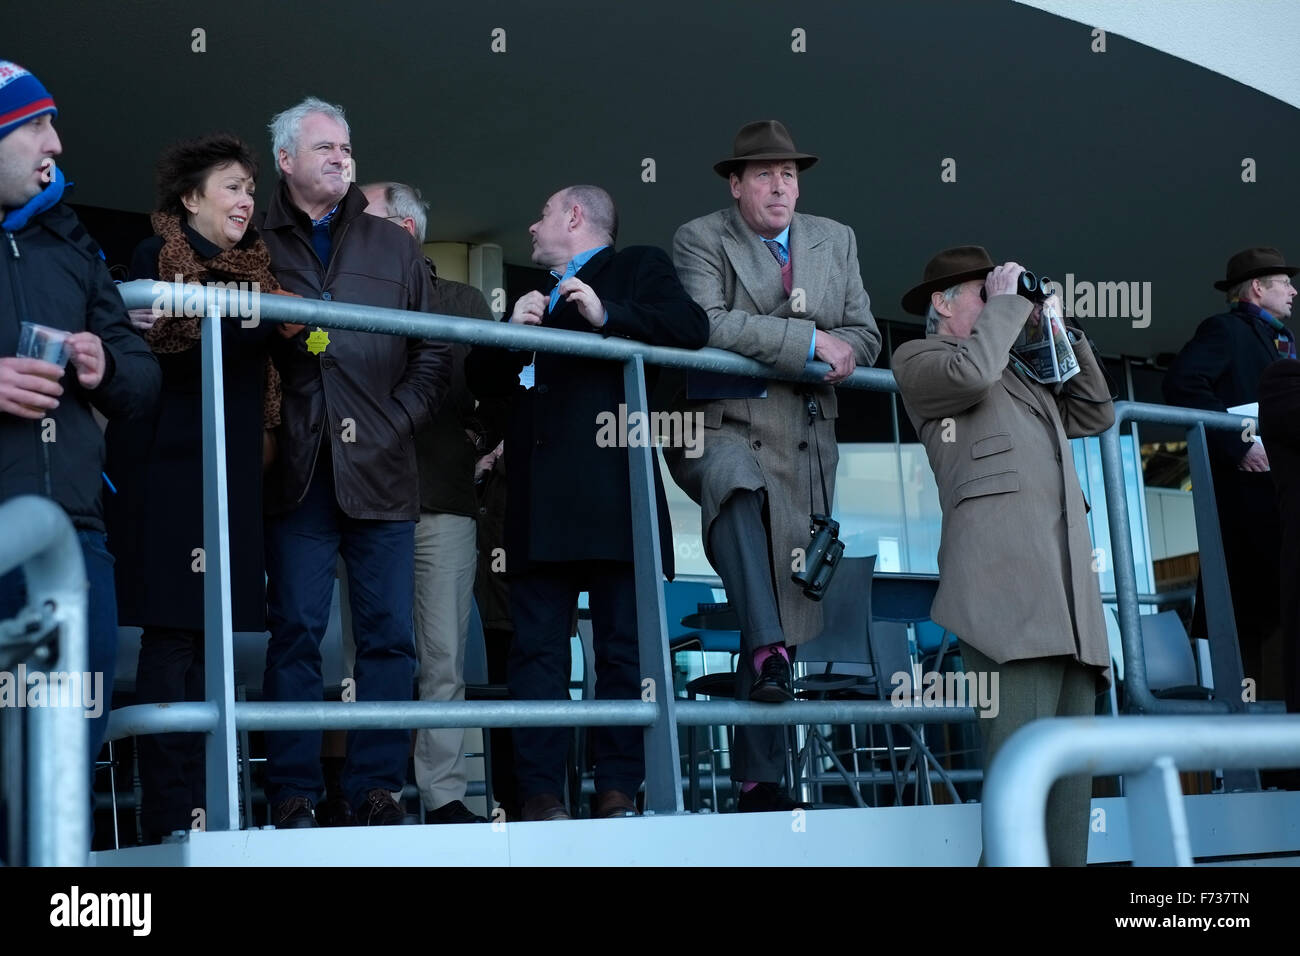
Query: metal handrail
column 1224, row 649
column 1149, row 749
column 201, row 716
column 662, row 765
column 40, row 539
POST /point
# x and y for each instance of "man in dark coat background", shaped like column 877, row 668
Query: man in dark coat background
column 569, row 512
column 1220, row 369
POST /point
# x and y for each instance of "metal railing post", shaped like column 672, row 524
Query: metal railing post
column 1157, row 817
column 222, row 811
column 1220, row 621
column 40, row 538
column 1037, row 755
column 1137, row 692
column 663, row 769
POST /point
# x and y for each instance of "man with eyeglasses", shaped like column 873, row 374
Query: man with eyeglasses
column 1220, row 369
column 345, row 480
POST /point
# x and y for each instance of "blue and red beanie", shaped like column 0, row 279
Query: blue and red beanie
column 21, row 97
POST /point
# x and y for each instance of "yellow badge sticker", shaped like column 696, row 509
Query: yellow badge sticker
column 318, row 341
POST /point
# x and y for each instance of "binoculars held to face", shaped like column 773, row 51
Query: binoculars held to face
column 1034, row 288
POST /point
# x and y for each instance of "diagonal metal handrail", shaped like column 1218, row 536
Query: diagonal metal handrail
column 662, row 766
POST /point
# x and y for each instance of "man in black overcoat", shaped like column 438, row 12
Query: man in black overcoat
column 1220, row 369
column 569, row 512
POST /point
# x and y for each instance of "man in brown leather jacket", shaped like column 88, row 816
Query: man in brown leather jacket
column 345, row 480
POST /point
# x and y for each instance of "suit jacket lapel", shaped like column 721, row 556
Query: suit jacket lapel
column 810, row 257
column 1013, row 384
column 754, row 265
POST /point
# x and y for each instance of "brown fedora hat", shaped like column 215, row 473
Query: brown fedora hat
column 1252, row 263
column 949, row 268
column 766, row 141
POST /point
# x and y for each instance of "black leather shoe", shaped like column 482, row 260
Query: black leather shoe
column 767, row 797
column 293, row 814
column 454, row 812
column 773, row 685
column 381, row 810
column 334, row 811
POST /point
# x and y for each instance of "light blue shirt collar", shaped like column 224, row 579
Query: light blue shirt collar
column 783, row 239
column 576, row 263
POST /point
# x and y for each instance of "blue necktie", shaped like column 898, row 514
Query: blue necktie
column 778, row 251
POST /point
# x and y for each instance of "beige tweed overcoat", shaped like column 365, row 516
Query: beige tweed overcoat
column 767, row 443
column 1016, row 565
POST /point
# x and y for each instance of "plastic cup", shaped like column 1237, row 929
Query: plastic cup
column 43, row 342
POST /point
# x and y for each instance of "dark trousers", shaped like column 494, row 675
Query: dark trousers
column 302, row 550
column 541, row 603
column 172, row 771
column 505, row 788
column 738, row 545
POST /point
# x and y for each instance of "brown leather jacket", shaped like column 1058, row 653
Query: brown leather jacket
column 368, row 393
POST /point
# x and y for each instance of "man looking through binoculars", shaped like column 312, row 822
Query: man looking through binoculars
column 1016, row 580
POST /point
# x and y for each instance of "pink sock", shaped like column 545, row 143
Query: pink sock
column 748, row 785
column 763, row 653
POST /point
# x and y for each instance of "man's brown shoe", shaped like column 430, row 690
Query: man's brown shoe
column 611, row 804
column 544, row 806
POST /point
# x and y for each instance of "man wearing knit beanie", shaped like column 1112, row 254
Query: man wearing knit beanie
column 23, row 99
column 52, row 274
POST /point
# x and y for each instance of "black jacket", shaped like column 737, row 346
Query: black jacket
column 367, row 393
column 1218, row 369
column 569, row 498
column 53, row 275
column 445, row 452
column 155, row 521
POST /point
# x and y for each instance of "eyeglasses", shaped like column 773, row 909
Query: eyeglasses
column 1283, row 281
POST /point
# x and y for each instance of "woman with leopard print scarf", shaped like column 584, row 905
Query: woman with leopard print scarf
column 203, row 235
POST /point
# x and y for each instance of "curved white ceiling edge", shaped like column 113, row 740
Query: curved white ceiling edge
column 1255, row 42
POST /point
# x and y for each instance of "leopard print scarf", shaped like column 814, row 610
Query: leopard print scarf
column 177, row 333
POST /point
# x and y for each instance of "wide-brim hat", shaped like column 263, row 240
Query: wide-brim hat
column 766, row 141
column 949, row 268
column 1253, row 263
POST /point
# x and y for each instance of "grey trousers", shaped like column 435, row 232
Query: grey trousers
column 1028, row 690
column 738, row 544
